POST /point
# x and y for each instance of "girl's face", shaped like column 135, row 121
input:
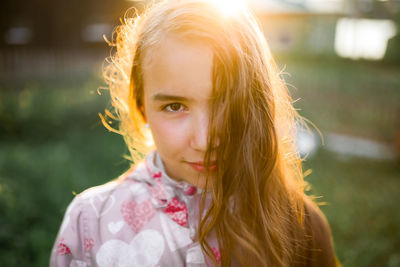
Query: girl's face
column 177, row 92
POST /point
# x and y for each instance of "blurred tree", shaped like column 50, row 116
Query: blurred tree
column 393, row 48
column 379, row 9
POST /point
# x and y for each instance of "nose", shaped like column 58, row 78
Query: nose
column 199, row 136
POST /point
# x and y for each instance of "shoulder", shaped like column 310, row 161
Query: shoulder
column 317, row 228
column 103, row 201
column 90, row 216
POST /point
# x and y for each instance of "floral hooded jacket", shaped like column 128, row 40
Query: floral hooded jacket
column 144, row 218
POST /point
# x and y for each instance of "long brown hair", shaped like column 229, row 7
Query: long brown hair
column 257, row 190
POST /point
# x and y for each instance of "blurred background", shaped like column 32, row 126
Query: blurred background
column 340, row 59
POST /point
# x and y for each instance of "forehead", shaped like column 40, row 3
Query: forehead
column 178, row 67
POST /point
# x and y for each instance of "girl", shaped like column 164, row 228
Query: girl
column 224, row 184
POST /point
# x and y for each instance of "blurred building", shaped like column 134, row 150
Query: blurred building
column 51, row 34
column 298, row 26
column 57, row 23
column 348, row 28
column 38, row 37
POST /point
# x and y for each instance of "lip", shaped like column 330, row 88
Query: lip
column 200, row 167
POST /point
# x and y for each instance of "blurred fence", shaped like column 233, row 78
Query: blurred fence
column 29, row 62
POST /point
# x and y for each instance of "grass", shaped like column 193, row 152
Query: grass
column 362, row 199
column 356, row 98
column 53, row 144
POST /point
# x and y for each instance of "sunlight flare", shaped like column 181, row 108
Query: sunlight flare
column 230, row 7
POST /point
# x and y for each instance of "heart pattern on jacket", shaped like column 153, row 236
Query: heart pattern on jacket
column 137, row 214
column 177, row 211
column 144, row 250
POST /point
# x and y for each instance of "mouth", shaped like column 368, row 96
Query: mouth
column 200, row 167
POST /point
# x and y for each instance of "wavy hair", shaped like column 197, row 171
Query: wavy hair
column 258, row 189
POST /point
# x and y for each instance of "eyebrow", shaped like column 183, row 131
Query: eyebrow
column 166, row 97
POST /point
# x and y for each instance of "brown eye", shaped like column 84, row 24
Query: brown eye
column 174, row 107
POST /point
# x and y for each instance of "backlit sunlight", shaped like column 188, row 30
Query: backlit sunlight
column 230, row 7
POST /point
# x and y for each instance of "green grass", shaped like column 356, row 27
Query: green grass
column 362, row 199
column 356, row 98
column 53, row 144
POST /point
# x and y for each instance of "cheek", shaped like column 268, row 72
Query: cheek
column 169, row 135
